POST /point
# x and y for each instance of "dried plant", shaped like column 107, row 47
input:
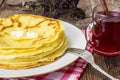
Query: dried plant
column 54, row 8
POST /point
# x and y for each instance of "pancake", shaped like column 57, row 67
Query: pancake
column 28, row 41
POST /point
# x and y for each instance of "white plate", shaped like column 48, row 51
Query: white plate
column 76, row 39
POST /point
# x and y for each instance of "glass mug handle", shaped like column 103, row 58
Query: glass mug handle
column 88, row 33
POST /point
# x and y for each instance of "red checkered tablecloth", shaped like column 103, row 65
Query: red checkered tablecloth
column 70, row 72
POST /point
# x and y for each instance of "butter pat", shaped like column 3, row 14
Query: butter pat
column 17, row 34
column 31, row 35
column 20, row 34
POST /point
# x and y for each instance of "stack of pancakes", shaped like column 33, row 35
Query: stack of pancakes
column 28, row 41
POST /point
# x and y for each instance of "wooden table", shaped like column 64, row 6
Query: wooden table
column 109, row 64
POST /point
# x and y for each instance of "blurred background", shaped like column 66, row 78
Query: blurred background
column 77, row 12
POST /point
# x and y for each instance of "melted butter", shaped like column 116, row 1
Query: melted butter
column 30, row 35
column 17, row 34
column 20, row 34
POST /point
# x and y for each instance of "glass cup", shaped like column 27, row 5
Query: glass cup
column 105, row 30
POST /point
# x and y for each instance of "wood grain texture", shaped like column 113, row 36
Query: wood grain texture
column 110, row 64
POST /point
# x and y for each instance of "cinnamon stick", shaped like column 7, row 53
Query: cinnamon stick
column 105, row 8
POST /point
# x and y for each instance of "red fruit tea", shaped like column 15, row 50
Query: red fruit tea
column 106, row 33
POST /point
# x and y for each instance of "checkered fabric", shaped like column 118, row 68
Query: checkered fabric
column 70, row 72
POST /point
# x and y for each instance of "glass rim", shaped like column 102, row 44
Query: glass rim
column 95, row 10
